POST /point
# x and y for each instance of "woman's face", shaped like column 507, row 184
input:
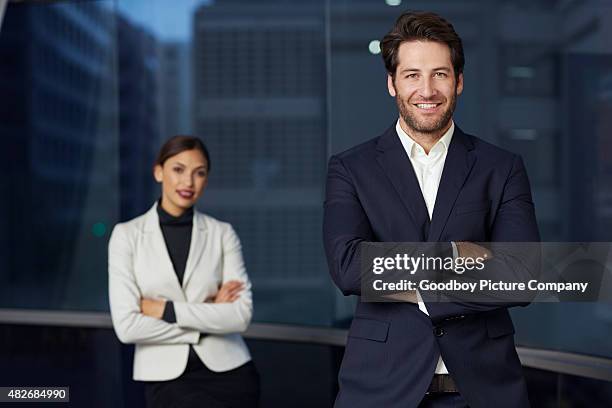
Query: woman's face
column 184, row 177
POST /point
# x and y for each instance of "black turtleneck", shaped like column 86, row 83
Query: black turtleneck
column 177, row 235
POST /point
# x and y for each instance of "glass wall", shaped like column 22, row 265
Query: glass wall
column 59, row 124
column 538, row 81
column 275, row 87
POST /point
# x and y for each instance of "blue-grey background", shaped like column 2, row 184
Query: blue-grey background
column 90, row 89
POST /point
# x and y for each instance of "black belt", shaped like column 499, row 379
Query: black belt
column 442, row 383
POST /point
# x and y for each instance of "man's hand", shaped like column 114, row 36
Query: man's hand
column 228, row 292
column 470, row 250
column 409, row 296
column 153, row 308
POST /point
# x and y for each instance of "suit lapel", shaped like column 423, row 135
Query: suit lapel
column 459, row 162
column 196, row 248
column 393, row 159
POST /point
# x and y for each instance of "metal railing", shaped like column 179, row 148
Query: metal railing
column 550, row 360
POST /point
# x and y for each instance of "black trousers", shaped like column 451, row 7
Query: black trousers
column 200, row 387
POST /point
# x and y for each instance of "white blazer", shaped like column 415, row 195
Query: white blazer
column 139, row 266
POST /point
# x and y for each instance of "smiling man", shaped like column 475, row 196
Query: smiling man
column 424, row 180
column 425, row 86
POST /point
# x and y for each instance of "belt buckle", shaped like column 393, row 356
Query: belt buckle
column 438, row 385
column 434, row 385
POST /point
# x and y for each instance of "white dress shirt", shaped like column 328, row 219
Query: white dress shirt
column 428, row 169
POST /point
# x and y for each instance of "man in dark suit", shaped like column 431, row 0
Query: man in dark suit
column 425, row 180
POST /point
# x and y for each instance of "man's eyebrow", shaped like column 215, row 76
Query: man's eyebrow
column 447, row 69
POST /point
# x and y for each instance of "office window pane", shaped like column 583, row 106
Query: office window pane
column 274, row 87
column 537, row 82
column 529, row 70
column 250, row 79
column 59, row 125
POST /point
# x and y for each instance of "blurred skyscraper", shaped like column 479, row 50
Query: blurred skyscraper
column 260, row 104
column 175, row 88
column 140, row 117
column 57, row 120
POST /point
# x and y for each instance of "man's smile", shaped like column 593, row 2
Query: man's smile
column 427, row 107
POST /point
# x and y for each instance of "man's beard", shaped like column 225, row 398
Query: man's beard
column 420, row 126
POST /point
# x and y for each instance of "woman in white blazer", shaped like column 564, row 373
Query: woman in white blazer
column 179, row 291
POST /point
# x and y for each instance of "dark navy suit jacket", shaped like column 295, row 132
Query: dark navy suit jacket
column 373, row 194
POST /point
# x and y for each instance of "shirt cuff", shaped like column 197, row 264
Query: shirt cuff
column 169, row 315
column 455, row 250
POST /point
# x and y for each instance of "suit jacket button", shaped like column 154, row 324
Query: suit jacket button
column 438, row 331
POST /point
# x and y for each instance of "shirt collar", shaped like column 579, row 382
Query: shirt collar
column 410, row 145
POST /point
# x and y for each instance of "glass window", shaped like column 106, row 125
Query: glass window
column 275, row 87
column 60, row 190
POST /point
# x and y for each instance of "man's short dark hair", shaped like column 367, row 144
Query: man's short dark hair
column 421, row 26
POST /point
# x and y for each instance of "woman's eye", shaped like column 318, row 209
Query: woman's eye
column 201, row 173
column 178, row 170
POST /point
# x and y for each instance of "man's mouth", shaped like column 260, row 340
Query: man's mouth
column 427, row 106
column 186, row 193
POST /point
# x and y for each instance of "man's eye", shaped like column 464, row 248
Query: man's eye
column 440, row 75
column 412, row 76
column 178, row 169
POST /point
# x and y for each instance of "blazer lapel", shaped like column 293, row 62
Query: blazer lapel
column 196, row 248
column 157, row 248
column 393, row 159
column 459, row 162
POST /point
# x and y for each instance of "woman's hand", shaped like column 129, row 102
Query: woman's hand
column 229, row 292
column 153, row 308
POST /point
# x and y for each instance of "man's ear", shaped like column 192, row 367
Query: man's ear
column 459, row 84
column 391, row 86
column 158, row 173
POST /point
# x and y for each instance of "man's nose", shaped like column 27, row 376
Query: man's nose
column 427, row 90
